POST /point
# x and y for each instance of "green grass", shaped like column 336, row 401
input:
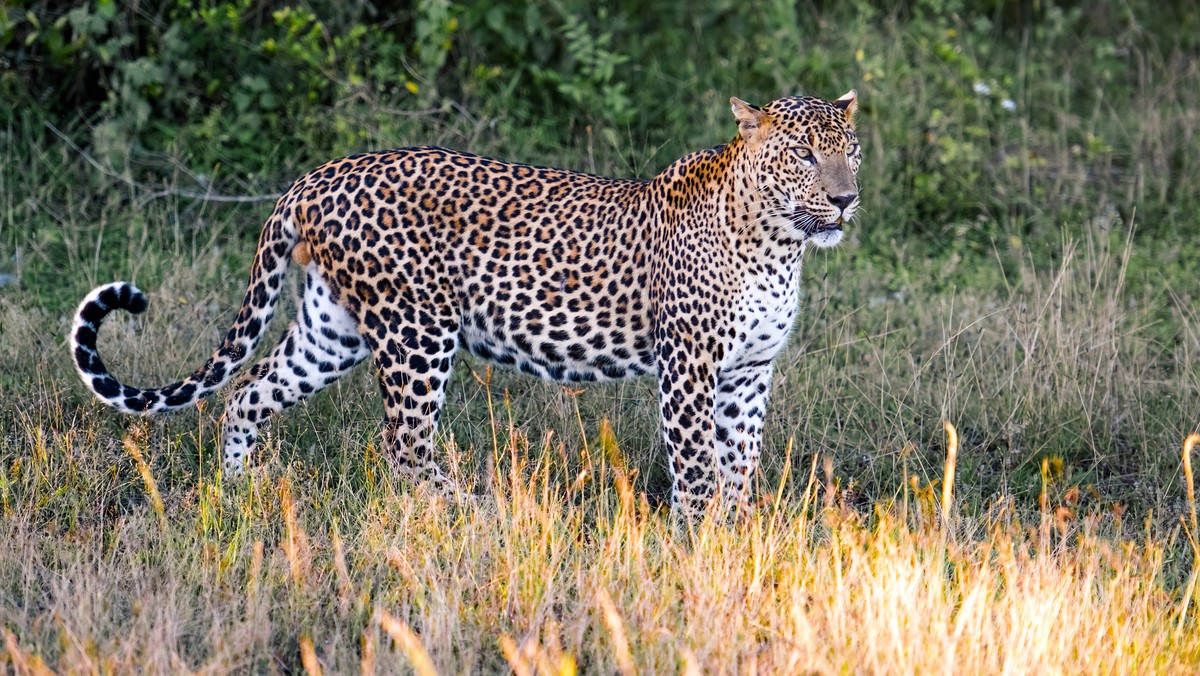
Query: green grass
column 1027, row 275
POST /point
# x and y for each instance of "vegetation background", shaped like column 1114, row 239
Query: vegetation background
column 1024, row 267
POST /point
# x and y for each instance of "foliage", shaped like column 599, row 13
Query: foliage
column 245, row 89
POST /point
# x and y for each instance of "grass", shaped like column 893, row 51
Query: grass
column 1027, row 276
column 292, row 565
column 124, row 550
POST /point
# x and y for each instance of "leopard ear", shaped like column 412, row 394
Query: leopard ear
column 752, row 121
column 847, row 104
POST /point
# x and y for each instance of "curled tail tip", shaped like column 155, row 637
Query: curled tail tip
column 91, row 313
column 104, row 299
column 98, row 304
column 119, row 296
column 95, row 375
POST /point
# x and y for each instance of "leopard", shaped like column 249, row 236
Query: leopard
column 410, row 255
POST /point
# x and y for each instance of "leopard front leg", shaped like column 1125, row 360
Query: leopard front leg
column 741, row 405
column 686, row 399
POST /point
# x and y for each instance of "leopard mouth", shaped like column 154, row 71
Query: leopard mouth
column 828, row 227
column 817, row 231
column 810, row 226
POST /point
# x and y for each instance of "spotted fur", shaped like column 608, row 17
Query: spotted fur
column 409, row 255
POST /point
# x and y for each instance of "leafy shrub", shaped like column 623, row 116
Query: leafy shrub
column 226, row 74
column 954, row 93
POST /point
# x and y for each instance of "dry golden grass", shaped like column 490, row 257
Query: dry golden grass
column 542, row 578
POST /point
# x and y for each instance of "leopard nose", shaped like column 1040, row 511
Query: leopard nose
column 843, row 201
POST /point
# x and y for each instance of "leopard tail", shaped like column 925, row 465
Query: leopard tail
column 278, row 238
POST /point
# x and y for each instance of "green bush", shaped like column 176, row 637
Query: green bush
column 234, row 76
column 957, row 96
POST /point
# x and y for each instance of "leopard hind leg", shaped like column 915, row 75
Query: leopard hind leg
column 414, row 346
column 321, row 345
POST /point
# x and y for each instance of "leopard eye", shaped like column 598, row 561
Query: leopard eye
column 805, row 155
column 852, row 150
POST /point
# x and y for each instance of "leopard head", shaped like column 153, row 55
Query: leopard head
column 801, row 159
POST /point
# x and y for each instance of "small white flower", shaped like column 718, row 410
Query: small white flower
column 982, row 88
column 1008, row 104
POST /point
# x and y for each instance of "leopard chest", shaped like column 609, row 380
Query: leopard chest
column 763, row 314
